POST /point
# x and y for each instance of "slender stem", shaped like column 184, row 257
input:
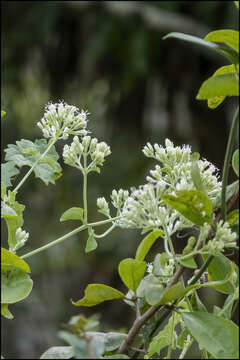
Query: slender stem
column 201, row 271
column 171, row 345
column 185, row 349
column 106, row 232
column 66, row 236
column 227, row 161
column 51, row 143
column 85, row 187
column 57, row 241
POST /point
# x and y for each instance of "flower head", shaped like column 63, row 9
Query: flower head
column 61, row 120
column 175, row 168
column 74, row 153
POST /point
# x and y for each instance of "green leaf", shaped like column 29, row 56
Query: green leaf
column 196, row 177
column 80, row 346
column 111, row 340
column 74, row 213
column 164, row 337
column 91, row 244
column 173, row 293
column 97, row 293
column 235, row 162
column 8, row 258
column 58, row 352
column 230, row 190
column 2, row 113
column 25, row 153
column 215, row 334
column 233, row 217
column 192, row 204
column 116, row 356
column 5, row 312
column 8, row 170
column 189, row 263
column 219, row 269
column 217, row 100
column 131, row 272
column 196, row 303
column 236, row 4
column 14, row 222
column 230, row 54
column 146, row 244
column 16, row 285
column 228, row 37
column 219, row 85
column 153, row 293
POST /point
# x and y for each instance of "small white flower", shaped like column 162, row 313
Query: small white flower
column 149, row 268
column 21, row 238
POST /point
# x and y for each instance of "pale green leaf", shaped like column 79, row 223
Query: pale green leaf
column 91, row 244
column 58, row 352
column 173, row 293
column 189, row 263
column 164, row 337
column 235, row 162
column 8, row 258
column 219, row 269
column 196, row 177
column 74, row 213
column 2, row 113
column 230, row 190
column 230, row 54
column 192, row 204
column 228, row 37
column 25, row 153
column 146, row 244
column 6, row 312
column 97, row 293
column 8, row 170
column 16, row 285
column 215, row 334
column 131, row 272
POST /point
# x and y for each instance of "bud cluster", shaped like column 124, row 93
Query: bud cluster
column 88, row 146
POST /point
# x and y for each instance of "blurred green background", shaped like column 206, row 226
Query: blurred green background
column 107, row 57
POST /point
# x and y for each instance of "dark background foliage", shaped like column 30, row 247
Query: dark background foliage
column 107, row 57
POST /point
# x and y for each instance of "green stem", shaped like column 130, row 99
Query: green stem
column 66, row 236
column 227, row 161
column 51, row 143
column 171, row 345
column 85, row 187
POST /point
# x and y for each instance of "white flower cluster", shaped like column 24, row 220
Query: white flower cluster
column 21, row 238
column 224, row 238
column 144, row 208
column 61, row 120
column 175, row 169
column 87, row 147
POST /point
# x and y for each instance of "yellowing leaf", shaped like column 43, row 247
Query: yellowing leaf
column 98, row 293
